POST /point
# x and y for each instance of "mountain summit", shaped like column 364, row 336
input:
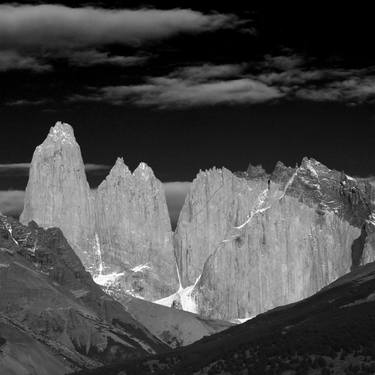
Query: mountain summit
column 57, row 193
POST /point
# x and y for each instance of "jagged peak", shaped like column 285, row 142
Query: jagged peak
column 144, row 171
column 212, row 171
column 119, row 171
column 120, row 164
column 256, row 171
column 306, row 161
column 62, row 132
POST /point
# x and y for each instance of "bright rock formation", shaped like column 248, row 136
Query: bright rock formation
column 57, row 193
column 134, row 230
column 253, row 244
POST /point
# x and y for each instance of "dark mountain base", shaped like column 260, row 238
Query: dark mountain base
column 328, row 333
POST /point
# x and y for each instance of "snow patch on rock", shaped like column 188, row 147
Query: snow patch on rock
column 108, row 279
column 184, row 296
column 141, row 268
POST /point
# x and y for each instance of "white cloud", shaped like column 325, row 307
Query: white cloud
column 56, row 26
column 189, row 87
column 352, row 90
column 31, row 36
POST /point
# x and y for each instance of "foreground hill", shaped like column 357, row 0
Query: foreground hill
column 53, row 318
column 328, row 333
column 173, row 326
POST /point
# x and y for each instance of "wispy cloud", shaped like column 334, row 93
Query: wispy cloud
column 189, row 87
column 93, row 57
column 207, row 71
column 33, row 36
column 294, row 76
column 13, row 60
column 354, row 90
column 283, row 62
column 27, row 102
column 51, row 26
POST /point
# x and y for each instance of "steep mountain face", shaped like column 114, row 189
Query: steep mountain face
column 330, row 332
column 134, row 231
column 250, row 244
column 57, row 193
column 123, row 228
column 53, row 317
column 214, row 198
column 244, row 243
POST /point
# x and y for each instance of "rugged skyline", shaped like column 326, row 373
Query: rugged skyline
column 187, row 87
column 175, row 170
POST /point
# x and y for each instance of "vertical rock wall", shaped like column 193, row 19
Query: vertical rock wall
column 133, row 227
column 58, row 194
column 256, row 243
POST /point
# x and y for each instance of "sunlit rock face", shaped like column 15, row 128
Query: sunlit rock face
column 58, row 194
column 252, row 244
column 215, row 203
column 122, row 229
column 134, row 230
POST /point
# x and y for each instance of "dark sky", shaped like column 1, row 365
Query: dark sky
column 186, row 87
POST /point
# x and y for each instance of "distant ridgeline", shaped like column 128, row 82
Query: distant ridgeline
column 244, row 243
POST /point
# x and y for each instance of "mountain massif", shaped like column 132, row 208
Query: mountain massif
column 249, row 244
column 121, row 232
column 244, row 243
column 123, row 226
column 110, row 285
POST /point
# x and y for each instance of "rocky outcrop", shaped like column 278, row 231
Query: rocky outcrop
column 57, row 193
column 134, row 230
column 250, row 244
column 50, row 302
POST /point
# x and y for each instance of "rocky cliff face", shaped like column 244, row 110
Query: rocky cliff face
column 214, row 204
column 244, row 242
column 250, row 244
column 122, row 228
column 57, row 193
column 134, row 230
column 53, row 318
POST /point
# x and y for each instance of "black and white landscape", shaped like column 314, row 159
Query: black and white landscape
column 186, row 189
